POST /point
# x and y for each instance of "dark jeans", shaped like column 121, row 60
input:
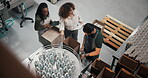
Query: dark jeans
column 73, row 34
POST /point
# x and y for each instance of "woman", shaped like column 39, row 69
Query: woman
column 42, row 22
column 70, row 20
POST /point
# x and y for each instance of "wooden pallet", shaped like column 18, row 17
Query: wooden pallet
column 113, row 31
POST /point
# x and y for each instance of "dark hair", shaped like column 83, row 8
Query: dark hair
column 65, row 9
column 39, row 10
column 88, row 28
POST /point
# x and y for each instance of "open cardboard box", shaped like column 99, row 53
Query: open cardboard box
column 106, row 73
column 142, row 71
column 53, row 36
column 97, row 66
column 124, row 74
column 72, row 43
column 127, row 63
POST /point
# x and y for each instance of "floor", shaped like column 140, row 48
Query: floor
column 24, row 41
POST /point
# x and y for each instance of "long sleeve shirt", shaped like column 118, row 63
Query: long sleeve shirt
column 71, row 23
column 39, row 23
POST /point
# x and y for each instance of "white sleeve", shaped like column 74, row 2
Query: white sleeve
column 62, row 25
column 79, row 17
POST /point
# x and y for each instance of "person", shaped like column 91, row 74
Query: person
column 42, row 22
column 92, row 42
column 70, row 20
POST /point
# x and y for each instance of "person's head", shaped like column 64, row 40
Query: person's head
column 88, row 28
column 66, row 9
column 42, row 10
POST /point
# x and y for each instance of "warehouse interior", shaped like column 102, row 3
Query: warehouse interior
column 24, row 41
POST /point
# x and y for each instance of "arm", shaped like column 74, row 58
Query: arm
column 94, row 53
column 79, row 18
column 38, row 26
column 62, row 26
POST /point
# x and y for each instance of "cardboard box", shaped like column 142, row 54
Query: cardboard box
column 97, row 66
column 142, row 72
column 124, row 74
column 53, row 35
column 72, row 43
column 127, row 63
column 106, row 73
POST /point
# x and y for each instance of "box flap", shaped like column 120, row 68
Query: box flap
column 72, row 43
column 51, row 34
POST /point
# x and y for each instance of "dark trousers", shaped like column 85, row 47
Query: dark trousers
column 73, row 34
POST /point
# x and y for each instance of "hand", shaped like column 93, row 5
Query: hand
column 82, row 49
column 62, row 33
column 47, row 26
column 81, row 22
column 62, row 37
column 83, row 56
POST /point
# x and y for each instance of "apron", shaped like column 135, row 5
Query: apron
column 90, row 46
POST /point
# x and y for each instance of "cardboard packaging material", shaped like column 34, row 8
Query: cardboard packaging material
column 126, row 63
column 106, row 73
column 124, row 74
column 97, row 66
column 142, row 72
column 72, row 43
column 53, row 36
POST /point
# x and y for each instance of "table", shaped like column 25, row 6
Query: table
column 13, row 4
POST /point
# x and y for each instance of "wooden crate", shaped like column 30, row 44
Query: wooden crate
column 113, row 31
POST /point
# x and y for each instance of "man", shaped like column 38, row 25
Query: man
column 92, row 42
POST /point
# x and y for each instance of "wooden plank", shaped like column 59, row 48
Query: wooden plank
column 112, row 34
column 117, row 28
column 114, row 31
column 103, row 20
column 110, row 38
column 112, row 44
column 99, row 22
column 121, row 23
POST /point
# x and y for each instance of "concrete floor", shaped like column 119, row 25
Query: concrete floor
column 24, row 41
